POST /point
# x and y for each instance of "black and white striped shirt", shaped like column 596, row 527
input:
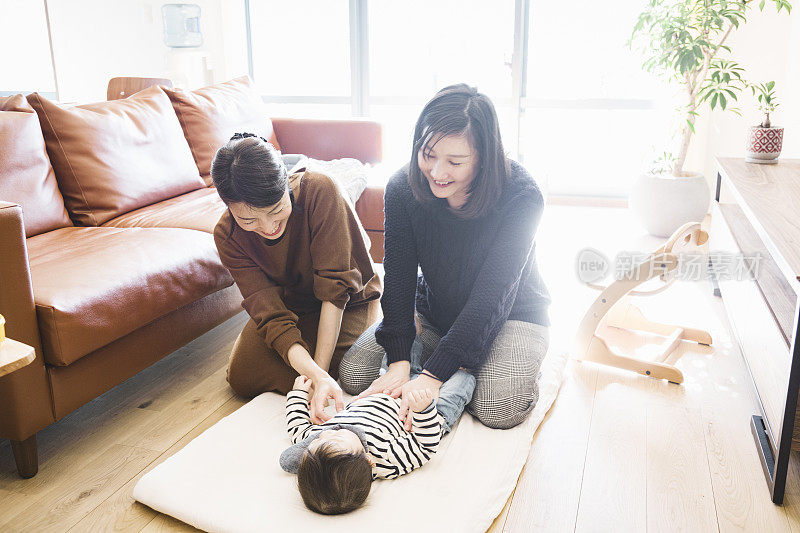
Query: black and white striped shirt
column 395, row 451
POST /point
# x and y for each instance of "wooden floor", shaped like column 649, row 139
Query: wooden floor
column 618, row 452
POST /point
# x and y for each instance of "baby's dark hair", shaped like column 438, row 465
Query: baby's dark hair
column 332, row 482
column 249, row 170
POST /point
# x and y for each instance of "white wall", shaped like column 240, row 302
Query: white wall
column 26, row 62
column 95, row 40
column 768, row 47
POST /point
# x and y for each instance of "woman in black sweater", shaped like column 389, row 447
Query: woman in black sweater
column 466, row 215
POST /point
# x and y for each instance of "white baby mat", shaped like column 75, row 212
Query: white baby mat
column 229, row 479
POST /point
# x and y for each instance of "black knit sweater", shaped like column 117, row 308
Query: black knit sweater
column 476, row 274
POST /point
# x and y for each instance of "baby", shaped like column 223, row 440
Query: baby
column 336, row 461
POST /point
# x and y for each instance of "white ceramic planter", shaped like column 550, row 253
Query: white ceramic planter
column 663, row 203
column 763, row 145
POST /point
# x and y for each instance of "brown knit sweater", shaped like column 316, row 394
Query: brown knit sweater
column 321, row 256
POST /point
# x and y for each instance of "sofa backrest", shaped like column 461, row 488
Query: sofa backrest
column 26, row 176
column 211, row 115
column 112, row 157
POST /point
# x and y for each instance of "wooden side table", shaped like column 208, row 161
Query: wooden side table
column 14, row 355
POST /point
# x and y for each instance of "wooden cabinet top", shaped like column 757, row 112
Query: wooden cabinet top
column 769, row 195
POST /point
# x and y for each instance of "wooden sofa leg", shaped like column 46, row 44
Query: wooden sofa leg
column 26, row 456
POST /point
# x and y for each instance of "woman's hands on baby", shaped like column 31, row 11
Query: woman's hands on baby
column 395, row 377
column 325, row 389
column 391, row 382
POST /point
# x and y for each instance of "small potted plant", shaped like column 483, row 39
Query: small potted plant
column 684, row 41
column 764, row 142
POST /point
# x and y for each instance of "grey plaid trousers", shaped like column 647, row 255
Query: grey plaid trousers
column 506, row 390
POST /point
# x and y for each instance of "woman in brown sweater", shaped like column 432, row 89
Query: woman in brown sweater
column 295, row 250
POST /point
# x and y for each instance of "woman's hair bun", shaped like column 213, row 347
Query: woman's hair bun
column 245, row 135
column 249, row 170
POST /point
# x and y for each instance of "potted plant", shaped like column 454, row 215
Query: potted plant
column 764, row 142
column 684, row 41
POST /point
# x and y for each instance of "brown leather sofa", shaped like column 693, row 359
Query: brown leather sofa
column 107, row 262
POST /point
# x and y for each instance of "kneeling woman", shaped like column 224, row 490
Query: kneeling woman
column 466, row 215
column 295, row 249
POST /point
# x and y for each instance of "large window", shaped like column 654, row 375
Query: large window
column 573, row 102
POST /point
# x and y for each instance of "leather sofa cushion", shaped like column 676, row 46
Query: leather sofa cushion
column 26, row 176
column 211, row 115
column 113, row 157
column 94, row 285
column 199, row 210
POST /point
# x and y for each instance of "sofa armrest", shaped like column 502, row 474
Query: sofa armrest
column 25, row 393
column 330, row 139
column 369, row 209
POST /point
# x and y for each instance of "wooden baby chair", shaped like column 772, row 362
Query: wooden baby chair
column 614, row 308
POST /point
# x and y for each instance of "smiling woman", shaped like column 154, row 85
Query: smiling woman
column 466, row 216
column 295, row 250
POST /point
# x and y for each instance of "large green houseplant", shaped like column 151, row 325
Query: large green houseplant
column 684, row 41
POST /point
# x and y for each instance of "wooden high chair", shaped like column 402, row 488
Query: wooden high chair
column 614, row 308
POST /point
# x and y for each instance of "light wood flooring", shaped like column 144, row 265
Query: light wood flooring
column 617, row 452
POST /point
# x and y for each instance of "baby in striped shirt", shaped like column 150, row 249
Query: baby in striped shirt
column 336, row 461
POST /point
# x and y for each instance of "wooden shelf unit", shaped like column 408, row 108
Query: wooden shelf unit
column 756, row 215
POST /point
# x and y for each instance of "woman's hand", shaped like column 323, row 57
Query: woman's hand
column 325, row 389
column 411, row 390
column 391, row 382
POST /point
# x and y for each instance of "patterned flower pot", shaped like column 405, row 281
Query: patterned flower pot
column 763, row 145
column 663, row 203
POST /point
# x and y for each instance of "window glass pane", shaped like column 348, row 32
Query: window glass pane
column 23, row 35
column 417, row 46
column 593, row 117
column 589, row 151
column 301, row 47
column 398, row 131
column 569, row 58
